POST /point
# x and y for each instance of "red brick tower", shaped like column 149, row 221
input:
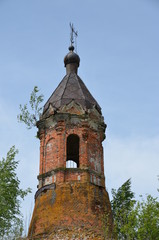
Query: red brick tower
column 71, row 197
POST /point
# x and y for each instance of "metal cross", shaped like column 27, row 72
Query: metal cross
column 72, row 34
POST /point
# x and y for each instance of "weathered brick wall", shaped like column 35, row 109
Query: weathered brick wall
column 74, row 233
column 53, row 145
column 69, row 206
column 70, row 203
column 61, row 175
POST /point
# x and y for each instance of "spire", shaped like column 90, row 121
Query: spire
column 71, row 87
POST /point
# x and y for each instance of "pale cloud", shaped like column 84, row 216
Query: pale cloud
column 136, row 158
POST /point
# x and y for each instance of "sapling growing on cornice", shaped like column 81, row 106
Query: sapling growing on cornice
column 30, row 117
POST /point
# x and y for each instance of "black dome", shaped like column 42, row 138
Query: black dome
column 71, row 57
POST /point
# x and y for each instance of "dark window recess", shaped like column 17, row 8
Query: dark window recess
column 72, row 160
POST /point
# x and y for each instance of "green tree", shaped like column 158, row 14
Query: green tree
column 122, row 205
column 31, row 115
column 147, row 212
column 11, row 223
column 134, row 220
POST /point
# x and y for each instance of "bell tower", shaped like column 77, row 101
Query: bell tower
column 71, row 198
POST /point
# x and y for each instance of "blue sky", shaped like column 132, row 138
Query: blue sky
column 118, row 44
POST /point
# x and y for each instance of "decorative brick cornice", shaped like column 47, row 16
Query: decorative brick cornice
column 72, row 170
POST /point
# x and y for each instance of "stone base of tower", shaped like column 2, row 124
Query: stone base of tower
column 71, row 211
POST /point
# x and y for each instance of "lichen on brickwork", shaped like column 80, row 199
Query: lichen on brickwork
column 70, row 205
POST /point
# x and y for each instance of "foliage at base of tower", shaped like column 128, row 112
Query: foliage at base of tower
column 31, row 116
column 134, row 220
column 122, row 205
column 10, row 193
column 147, row 214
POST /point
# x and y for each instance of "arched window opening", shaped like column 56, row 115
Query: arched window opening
column 72, row 160
column 71, row 164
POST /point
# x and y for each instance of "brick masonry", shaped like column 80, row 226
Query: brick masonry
column 70, row 198
column 70, row 206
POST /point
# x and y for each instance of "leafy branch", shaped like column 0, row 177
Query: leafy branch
column 31, row 117
column 10, row 194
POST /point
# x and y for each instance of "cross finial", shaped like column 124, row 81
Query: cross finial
column 73, row 34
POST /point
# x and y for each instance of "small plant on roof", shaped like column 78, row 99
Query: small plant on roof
column 31, row 117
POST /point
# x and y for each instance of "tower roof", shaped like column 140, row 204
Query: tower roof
column 72, row 87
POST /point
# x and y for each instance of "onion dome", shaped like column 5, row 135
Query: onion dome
column 71, row 57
